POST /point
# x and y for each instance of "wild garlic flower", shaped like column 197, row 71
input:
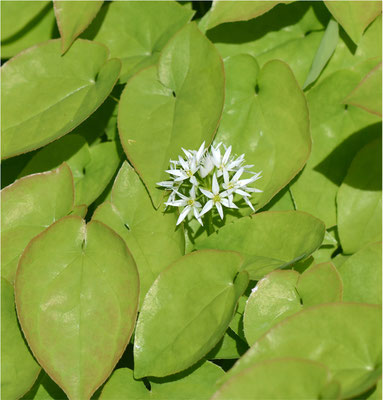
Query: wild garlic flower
column 205, row 180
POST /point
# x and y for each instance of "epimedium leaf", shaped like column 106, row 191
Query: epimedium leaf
column 150, row 235
column 266, row 118
column 73, row 18
column 368, row 94
column 273, row 299
column 359, row 200
column 326, row 49
column 200, row 292
column 81, row 283
column 29, row 206
column 47, row 97
column 136, row 32
column 338, row 132
column 269, row 240
column 19, row 370
column 354, row 16
column 44, row 389
column 311, row 283
column 79, row 210
column 346, row 337
column 231, row 346
column 179, row 103
column 198, row 383
column 281, row 378
column 362, row 275
column 40, row 27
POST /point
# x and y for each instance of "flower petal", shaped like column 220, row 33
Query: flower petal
column 208, row 194
column 207, row 207
column 219, row 208
column 183, row 214
column 215, row 186
column 249, row 203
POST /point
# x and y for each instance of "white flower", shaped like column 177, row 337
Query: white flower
column 189, row 203
column 217, row 199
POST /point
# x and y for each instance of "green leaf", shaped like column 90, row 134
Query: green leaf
column 29, row 206
column 136, row 31
column 359, row 200
column 221, row 12
column 368, row 94
column 269, row 240
column 230, row 347
column 16, row 15
column 362, row 275
column 19, row 370
column 338, row 132
column 198, row 383
column 150, row 235
column 284, row 378
column 44, row 389
column 265, row 117
column 272, row 300
column 199, row 292
column 291, row 33
column 40, row 27
column 354, row 16
column 47, row 97
column 179, row 105
column 85, row 299
column 346, row 337
column 73, row 18
column 326, row 49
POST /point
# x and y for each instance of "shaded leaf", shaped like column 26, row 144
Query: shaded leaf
column 80, row 282
column 231, row 346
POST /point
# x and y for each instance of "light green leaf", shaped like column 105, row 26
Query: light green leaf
column 326, row 49
column 79, row 210
column 291, row 33
column 29, row 206
column 265, row 117
column 273, row 299
column 47, row 97
column 150, row 235
column 77, row 291
column 179, row 105
column 19, row 370
column 354, row 16
column 346, row 337
column 137, row 31
column 198, row 383
column 368, row 94
column 376, row 392
column 338, row 132
column 284, row 378
column 39, row 29
column 229, row 11
column 359, row 200
column 44, row 389
column 236, row 323
column 199, row 292
column 73, row 17
column 321, row 283
column 16, row 15
column 362, row 275
column 231, row 346
column 269, row 240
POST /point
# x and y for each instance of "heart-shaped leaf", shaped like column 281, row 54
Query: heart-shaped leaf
column 73, row 17
column 284, row 378
column 150, row 235
column 346, row 337
column 266, row 118
column 19, row 370
column 199, row 292
column 179, row 104
column 269, row 240
column 28, row 206
column 368, row 94
column 137, row 31
column 80, row 282
column 47, row 96
column 362, row 275
column 359, row 200
column 354, row 16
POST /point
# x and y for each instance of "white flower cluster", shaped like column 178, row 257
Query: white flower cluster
column 206, row 179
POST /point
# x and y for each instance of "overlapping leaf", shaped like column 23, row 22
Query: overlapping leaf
column 80, row 282
column 179, row 104
column 29, row 206
column 47, row 97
